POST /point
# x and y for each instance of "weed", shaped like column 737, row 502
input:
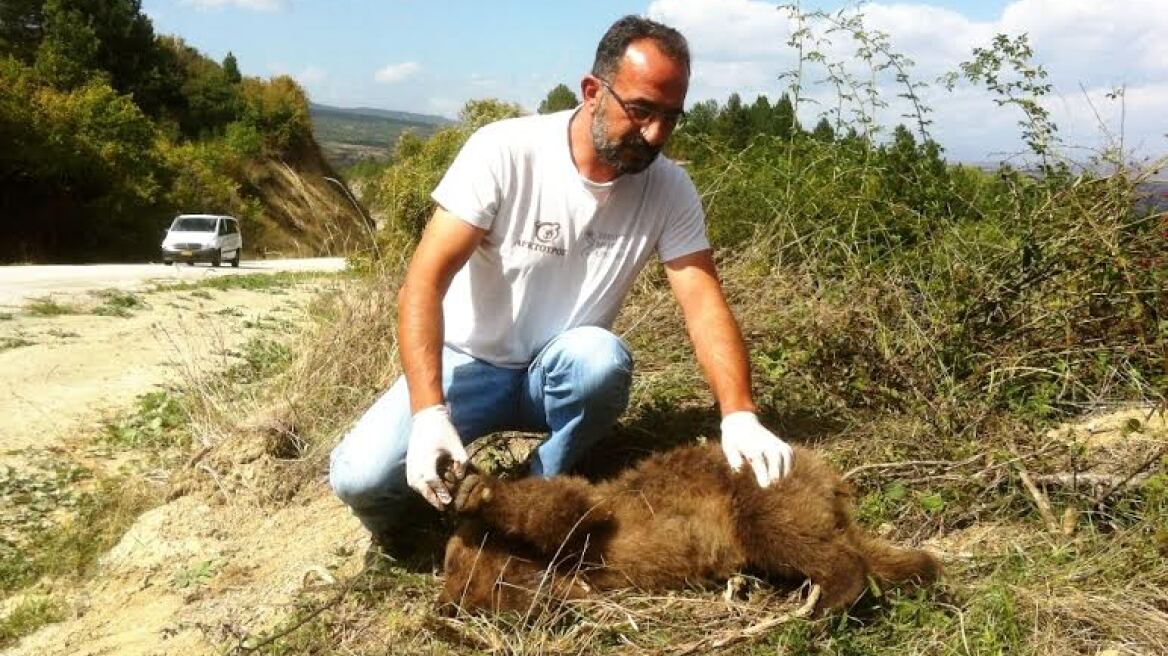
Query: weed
column 7, row 343
column 118, row 303
column 197, row 575
column 159, row 422
column 47, row 307
column 30, row 614
column 262, row 358
column 252, row 281
column 71, row 548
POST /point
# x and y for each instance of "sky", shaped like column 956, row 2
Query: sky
column 432, row 56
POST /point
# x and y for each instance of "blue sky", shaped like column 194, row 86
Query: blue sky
column 431, row 57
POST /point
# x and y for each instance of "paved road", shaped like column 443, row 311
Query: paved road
column 19, row 284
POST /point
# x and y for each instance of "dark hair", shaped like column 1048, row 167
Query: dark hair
column 634, row 28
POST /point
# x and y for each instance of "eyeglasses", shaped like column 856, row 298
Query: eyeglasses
column 642, row 115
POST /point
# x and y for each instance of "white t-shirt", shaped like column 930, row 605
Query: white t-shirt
column 560, row 251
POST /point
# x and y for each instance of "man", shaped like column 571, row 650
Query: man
column 543, row 224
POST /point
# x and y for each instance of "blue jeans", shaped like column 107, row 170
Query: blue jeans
column 574, row 389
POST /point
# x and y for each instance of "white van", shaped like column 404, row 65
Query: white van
column 202, row 238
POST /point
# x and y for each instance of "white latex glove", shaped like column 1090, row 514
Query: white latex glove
column 431, row 437
column 746, row 440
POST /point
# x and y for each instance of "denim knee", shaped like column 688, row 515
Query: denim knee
column 594, row 360
column 362, row 484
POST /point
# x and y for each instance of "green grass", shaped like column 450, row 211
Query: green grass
column 252, row 281
column 160, row 421
column 47, row 307
column 118, row 303
column 8, row 343
column 30, row 614
column 262, row 358
column 70, row 548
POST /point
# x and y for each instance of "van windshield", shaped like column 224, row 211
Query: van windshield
column 194, row 224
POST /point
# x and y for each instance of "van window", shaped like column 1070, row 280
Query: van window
column 223, row 227
column 194, row 224
column 232, row 227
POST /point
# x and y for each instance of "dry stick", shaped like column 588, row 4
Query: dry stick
column 951, row 464
column 242, row 648
column 1137, row 471
column 704, row 646
column 1040, row 500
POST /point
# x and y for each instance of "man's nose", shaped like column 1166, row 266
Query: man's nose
column 657, row 131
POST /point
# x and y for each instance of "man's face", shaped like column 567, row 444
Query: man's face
column 645, row 80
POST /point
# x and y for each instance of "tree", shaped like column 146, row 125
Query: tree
column 68, row 50
column 761, row 121
column 823, row 131
column 21, row 28
column 559, row 98
column 786, row 123
column 734, row 123
column 231, row 68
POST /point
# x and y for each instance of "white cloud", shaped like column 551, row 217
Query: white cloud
column 254, row 5
column 397, row 72
column 311, row 75
column 480, row 81
column 741, row 45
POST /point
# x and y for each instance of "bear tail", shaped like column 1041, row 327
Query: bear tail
column 899, row 565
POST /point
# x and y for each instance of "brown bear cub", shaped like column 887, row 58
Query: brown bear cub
column 678, row 519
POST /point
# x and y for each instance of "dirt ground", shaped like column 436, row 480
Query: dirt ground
column 67, row 372
column 188, row 574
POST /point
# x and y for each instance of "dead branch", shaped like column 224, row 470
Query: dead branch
column 1073, row 480
column 711, row 646
column 1155, row 457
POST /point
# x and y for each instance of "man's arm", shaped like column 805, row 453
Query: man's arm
column 716, row 338
column 721, row 352
column 446, row 245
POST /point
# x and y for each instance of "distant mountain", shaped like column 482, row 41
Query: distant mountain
column 348, row 135
column 404, row 117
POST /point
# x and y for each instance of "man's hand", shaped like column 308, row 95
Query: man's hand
column 746, row 440
column 433, row 438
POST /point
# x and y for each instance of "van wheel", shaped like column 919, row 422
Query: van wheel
column 215, row 259
column 235, row 260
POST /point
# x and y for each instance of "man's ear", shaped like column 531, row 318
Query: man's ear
column 590, row 90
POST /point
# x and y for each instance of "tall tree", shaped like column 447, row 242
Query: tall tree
column 559, row 98
column 734, row 123
column 786, row 123
column 231, row 68
column 823, row 131
column 68, row 50
column 760, row 117
column 21, row 28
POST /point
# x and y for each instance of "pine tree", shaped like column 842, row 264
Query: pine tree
column 231, row 68
column 823, row 131
column 559, row 98
column 786, row 123
column 734, row 123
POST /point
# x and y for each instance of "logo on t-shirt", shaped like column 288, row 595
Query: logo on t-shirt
column 599, row 242
column 547, row 234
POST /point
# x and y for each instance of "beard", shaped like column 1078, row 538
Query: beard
column 628, row 154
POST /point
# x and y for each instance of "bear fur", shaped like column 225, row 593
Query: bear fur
column 678, row 519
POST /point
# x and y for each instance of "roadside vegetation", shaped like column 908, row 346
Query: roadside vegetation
column 108, row 130
column 949, row 337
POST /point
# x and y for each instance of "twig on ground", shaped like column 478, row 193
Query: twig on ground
column 712, row 645
column 243, row 648
column 1155, row 457
column 1040, row 500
